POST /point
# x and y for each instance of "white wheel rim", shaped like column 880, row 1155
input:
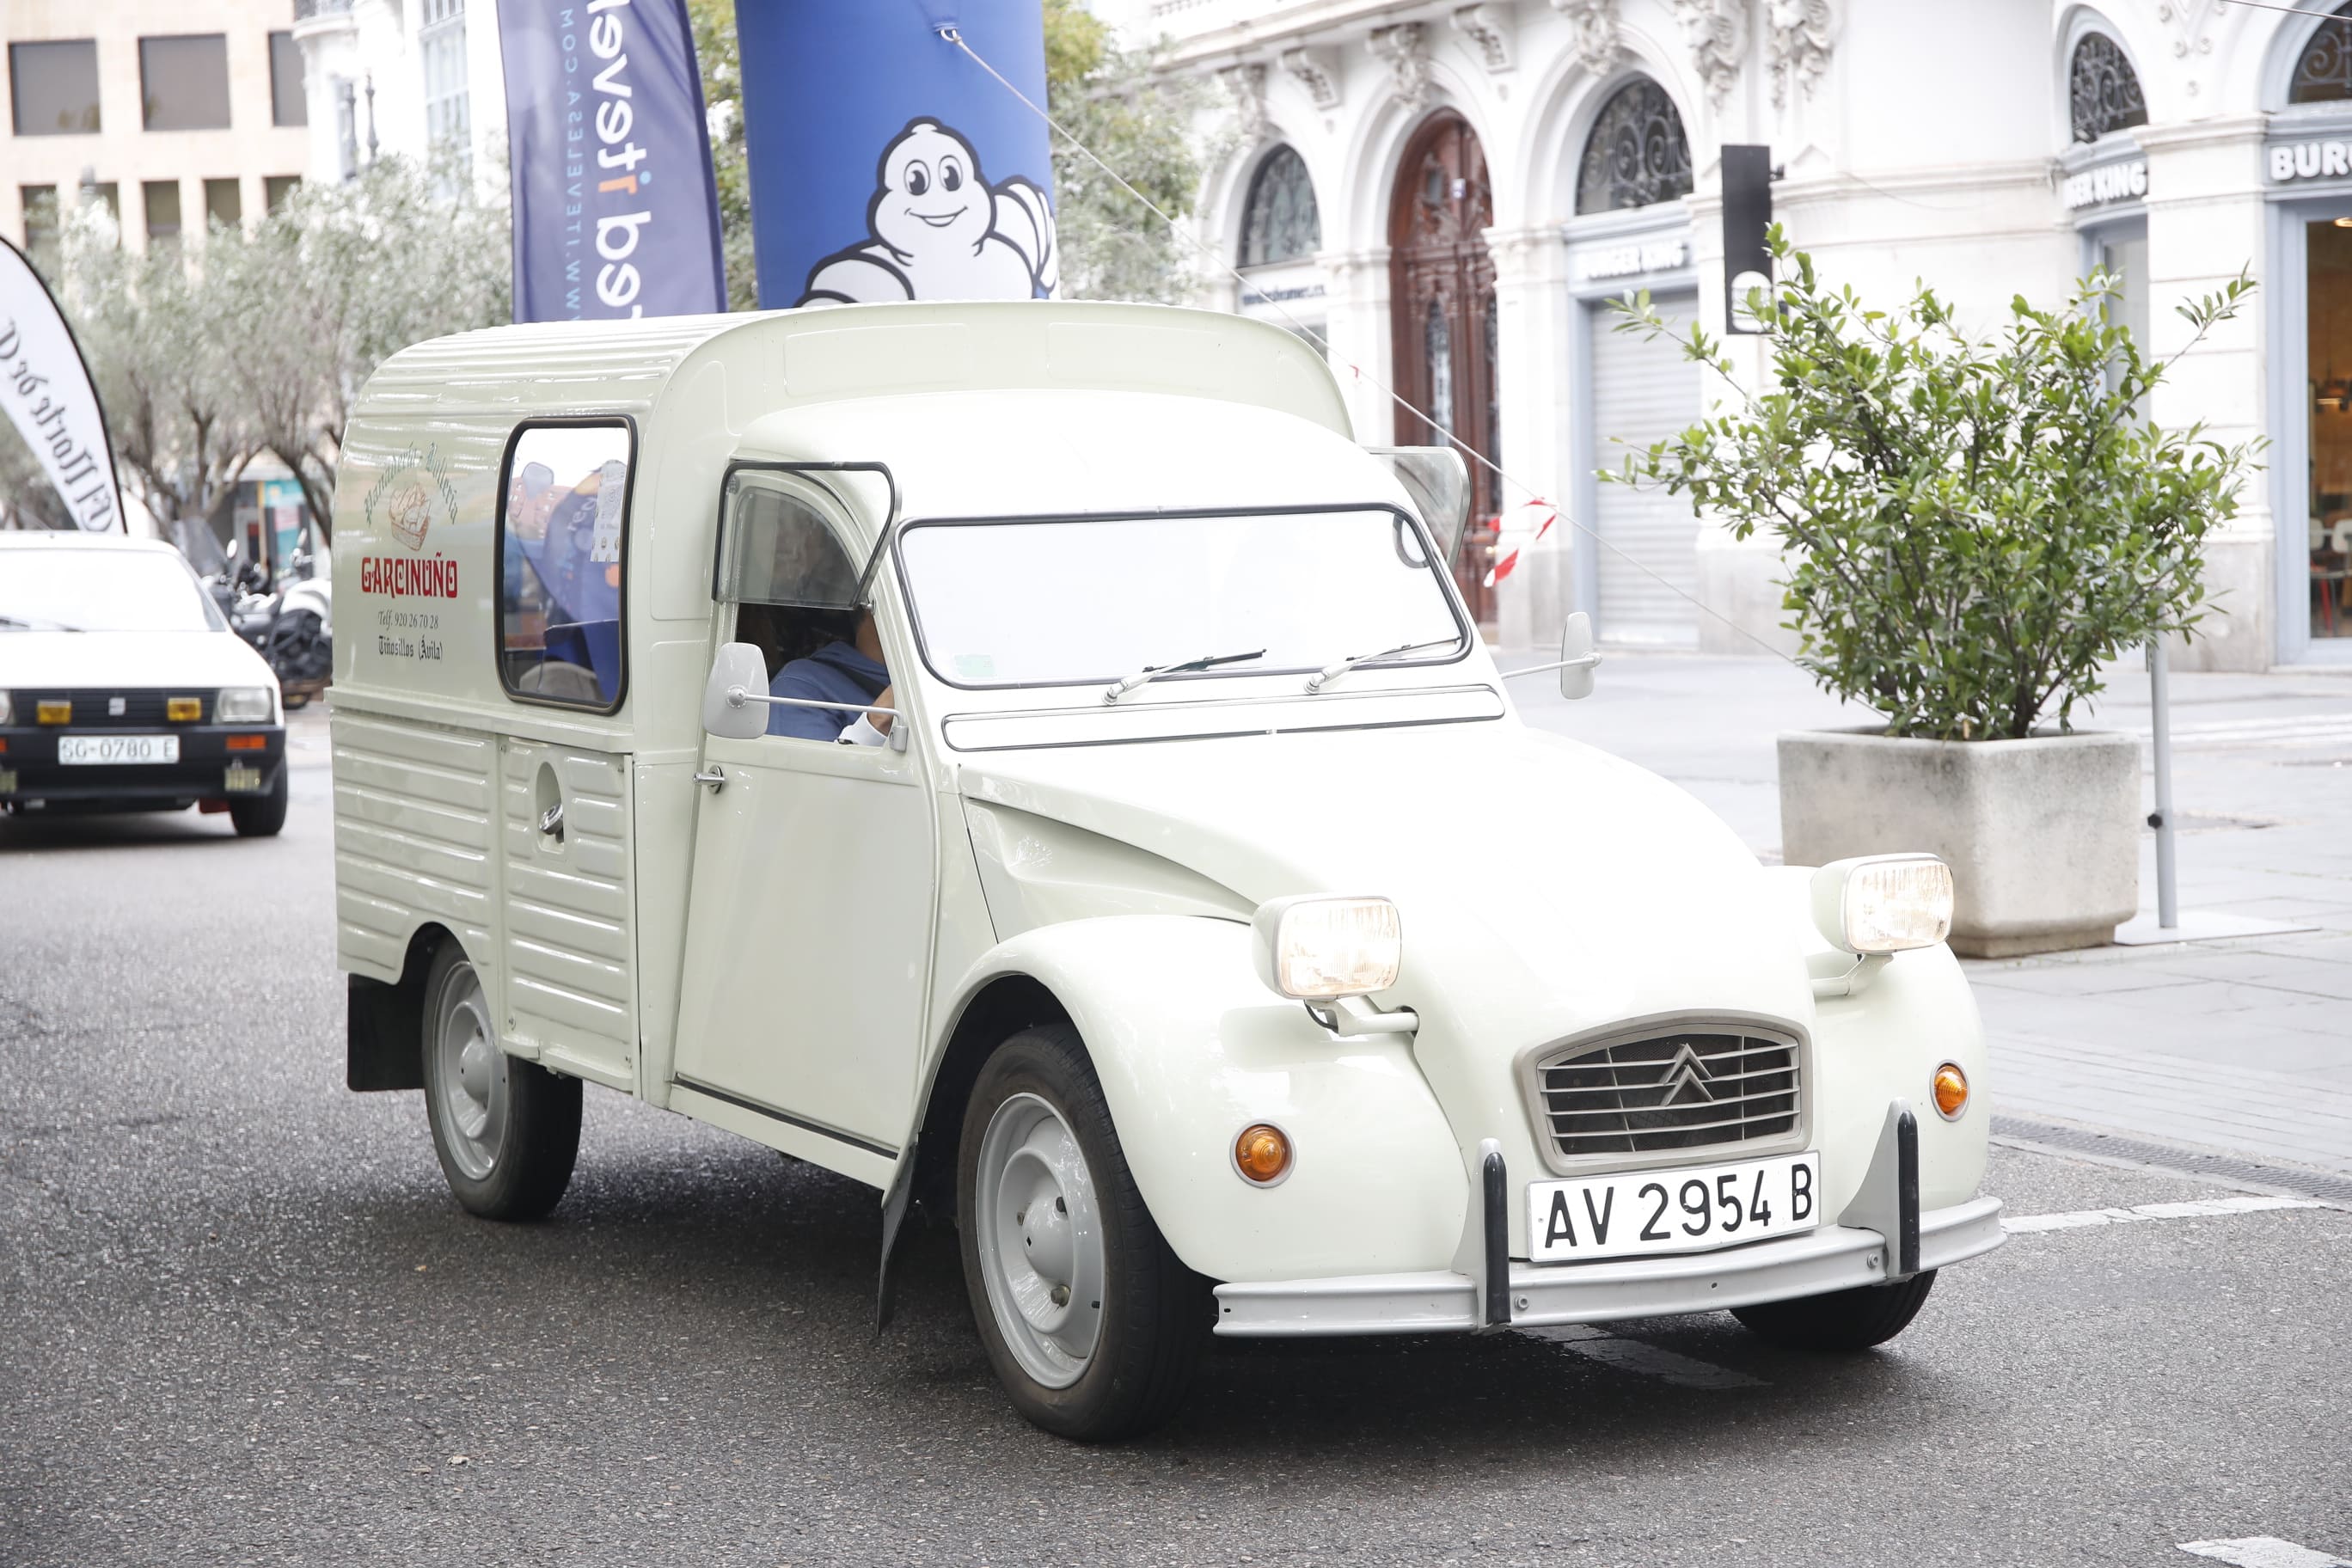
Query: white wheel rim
column 1040, row 1240
column 469, row 1075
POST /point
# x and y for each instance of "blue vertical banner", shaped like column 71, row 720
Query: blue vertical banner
column 885, row 163
column 615, row 212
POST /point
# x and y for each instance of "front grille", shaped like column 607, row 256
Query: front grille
column 1698, row 1089
column 93, row 707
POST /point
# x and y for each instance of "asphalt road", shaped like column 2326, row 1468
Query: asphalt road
column 241, row 1320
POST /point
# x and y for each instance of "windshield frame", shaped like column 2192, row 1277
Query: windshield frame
column 1466, row 635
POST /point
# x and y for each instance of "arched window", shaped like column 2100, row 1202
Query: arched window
column 2323, row 74
column 1280, row 223
column 2105, row 89
column 1637, row 153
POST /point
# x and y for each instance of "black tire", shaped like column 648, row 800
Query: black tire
column 537, row 1116
column 261, row 815
column 1851, row 1320
column 1156, row 1313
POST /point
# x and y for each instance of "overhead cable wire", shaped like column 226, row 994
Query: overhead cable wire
column 953, row 35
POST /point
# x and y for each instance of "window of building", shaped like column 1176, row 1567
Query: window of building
column 347, row 127
column 1280, row 221
column 275, row 188
column 441, row 49
column 184, row 82
column 162, row 201
column 561, row 527
column 1637, row 154
column 288, row 104
column 2323, row 74
column 223, row 203
column 54, row 87
column 40, row 207
column 108, row 197
column 2104, row 88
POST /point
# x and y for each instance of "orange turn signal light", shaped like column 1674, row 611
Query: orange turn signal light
column 183, row 710
column 249, row 742
column 53, row 712
column 1261, row 1155
column 1951, row 1090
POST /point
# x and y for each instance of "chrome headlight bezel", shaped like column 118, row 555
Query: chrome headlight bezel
column 244, row 705
column 1323, row 947
column 1873, row 905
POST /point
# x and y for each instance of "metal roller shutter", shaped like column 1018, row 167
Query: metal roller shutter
column 1644, row 389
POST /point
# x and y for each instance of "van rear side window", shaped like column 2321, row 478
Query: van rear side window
column 563, row 517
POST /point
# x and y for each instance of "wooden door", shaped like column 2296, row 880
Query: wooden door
column 1442, row 286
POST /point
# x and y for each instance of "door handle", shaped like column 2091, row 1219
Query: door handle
column 716, row 777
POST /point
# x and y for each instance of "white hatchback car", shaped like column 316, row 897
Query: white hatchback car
column 121, row 688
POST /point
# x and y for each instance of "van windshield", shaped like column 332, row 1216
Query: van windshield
column 98, row 589
column 1055, row 601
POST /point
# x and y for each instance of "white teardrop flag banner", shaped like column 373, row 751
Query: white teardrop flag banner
column 45, row 385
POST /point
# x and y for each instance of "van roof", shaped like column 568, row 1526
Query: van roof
column 779, row 359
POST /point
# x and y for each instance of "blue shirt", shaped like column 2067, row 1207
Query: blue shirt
column 836, row 672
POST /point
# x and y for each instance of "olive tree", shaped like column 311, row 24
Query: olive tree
column 1974, row 524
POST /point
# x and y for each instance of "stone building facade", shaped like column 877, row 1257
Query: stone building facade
column 1450, row 194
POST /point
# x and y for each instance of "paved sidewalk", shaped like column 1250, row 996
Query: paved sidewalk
column 2242, row 1045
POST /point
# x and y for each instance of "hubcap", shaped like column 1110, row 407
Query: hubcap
column 470, row 1075
column 1040, row 1240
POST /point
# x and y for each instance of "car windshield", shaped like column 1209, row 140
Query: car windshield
column 1057, row 601
column 98, row 589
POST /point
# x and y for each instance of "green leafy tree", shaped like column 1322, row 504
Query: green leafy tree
column 721, row 64
column 1140, row 124
column 303, row 308
column 1975, row 524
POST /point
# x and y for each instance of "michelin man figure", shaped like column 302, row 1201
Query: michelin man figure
column 939, row 230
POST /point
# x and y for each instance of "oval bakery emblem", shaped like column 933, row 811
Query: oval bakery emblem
column 412, row 493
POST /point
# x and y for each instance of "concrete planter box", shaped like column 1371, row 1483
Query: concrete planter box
column 2042, row 834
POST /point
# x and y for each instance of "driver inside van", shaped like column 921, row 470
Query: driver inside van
column 849, row 672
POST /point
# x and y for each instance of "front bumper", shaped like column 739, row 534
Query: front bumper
column 1832, row 1257
column 29, row 769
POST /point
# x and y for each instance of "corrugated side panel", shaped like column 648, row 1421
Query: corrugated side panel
column 411, row 839
column 568, row 939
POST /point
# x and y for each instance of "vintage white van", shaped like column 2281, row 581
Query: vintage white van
column 1014, row 755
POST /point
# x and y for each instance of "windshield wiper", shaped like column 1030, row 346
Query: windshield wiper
column 1329, row 673
column 38, row 624
column 1151, row 673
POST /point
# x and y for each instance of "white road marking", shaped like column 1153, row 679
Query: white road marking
column 2263, row 1551
column 1643, row 1359
column 2198, row 1208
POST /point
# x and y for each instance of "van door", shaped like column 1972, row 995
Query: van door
column 809, row 919
column 808, row 936
column 570, row 949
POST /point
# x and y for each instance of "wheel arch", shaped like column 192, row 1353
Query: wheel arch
column 384, row 1021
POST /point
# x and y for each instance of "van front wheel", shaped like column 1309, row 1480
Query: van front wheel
column 1850, row 1319
column 507, row 1132
column 1092, row 1323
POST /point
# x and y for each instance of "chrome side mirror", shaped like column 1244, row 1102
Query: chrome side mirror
column 739, row 669
column 1577, row 659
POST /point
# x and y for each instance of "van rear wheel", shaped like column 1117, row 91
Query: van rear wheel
column 507, row 1132
column 1091, row 1322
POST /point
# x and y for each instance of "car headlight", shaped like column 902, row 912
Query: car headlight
column 1883, row 903
column 1318, row 948
column 7, row 708
column 244, row 705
